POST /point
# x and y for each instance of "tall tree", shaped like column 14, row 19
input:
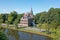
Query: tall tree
column 12, row 16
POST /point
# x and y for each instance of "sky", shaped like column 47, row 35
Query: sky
column 22, row 6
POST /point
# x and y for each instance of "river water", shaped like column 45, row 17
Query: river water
column 18, row 35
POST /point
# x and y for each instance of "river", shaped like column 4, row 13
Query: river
column 18, row 35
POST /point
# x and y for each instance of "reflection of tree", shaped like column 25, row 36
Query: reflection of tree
column 2, row 36
column 13, row 33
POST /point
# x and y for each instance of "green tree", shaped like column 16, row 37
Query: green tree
column 12, row 16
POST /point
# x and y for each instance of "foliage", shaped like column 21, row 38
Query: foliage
column 2, row 36
column 51, row 17
column 12, row 16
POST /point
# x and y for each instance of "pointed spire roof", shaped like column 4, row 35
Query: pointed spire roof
column 31, row 11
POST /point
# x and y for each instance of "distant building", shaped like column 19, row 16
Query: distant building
column 27, row 19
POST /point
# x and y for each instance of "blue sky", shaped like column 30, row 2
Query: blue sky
column 22, row 6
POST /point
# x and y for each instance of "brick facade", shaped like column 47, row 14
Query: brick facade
column 27, row 19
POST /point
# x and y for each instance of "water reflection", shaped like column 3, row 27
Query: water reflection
column 18, row 35
column 24, row 36
column 12, row 34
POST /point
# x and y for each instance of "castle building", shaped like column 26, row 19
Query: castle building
column 27, row 19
